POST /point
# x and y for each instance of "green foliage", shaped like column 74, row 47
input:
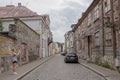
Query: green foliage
column 118, row 69
column 106, row 65
column 59, row 44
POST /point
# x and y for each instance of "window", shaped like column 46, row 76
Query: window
column 96, row 12
column 97, row 39
column 89, row 19
column 42, row 43
column 108, row 37
column 107, row 5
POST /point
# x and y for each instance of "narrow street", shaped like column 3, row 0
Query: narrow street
column 56, row 69
column 33, row 33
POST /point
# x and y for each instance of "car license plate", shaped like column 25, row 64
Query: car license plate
column 72, row 58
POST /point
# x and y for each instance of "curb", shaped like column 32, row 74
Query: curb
column 26, row 73
column 96, row 71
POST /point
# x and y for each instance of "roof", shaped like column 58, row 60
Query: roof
column 6, row 34
column 15, row 11
column 69, row 32
column 92, row 5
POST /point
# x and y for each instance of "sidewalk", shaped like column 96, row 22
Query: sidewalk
column 23, row 70
column 104, row 72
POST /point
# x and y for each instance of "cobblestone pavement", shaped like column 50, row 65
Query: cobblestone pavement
column 56, row 69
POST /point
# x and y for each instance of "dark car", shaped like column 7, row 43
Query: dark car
column 71, row 57
column 63, row 53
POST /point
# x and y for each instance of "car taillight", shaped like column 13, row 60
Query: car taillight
column 67, row 57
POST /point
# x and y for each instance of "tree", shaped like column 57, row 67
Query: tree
column 59, row 44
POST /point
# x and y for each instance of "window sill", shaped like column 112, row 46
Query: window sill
column 96, row 20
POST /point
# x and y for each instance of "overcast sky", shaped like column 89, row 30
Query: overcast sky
column 62, row 13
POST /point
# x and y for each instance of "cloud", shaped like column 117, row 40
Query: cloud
column 63, row 13
column 58, row 25
column 62, row 19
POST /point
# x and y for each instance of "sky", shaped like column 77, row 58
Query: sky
column 62, row 13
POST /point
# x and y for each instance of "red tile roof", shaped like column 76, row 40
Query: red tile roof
column 16, row 11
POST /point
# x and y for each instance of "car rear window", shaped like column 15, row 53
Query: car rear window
column 71, row 54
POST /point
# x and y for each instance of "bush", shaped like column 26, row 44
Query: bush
column 106, row 65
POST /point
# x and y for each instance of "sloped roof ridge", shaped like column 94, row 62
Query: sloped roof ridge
column 16, row 11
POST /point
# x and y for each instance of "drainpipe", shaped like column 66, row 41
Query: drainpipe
column 113, row 30
column 103, row 36
column 119, row 14
column 117, row 61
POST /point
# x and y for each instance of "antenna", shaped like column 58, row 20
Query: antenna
column 27, row 3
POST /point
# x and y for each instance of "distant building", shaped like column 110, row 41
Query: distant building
column 69, row 42
column 57, row 46
column 46, row 37
column 62, row 47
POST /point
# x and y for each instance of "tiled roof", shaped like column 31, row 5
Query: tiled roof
column 16, row 11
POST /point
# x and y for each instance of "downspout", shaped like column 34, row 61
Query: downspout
column 103, row 36
column 119, row 14
column 113, row 30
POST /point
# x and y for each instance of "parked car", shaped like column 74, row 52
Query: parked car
column 63, row 53
column 71, row 57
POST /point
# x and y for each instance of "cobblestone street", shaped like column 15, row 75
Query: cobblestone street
column 56, row 69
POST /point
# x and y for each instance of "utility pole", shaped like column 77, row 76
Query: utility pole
column 10, row 2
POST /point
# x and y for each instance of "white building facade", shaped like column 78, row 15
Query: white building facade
column 69, row 42
column 39, row 23
column 46, row 37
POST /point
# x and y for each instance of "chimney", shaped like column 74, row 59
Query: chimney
column 83, row 13
column 73, row 25
column 19, row 4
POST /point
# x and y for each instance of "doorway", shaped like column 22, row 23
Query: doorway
column 89, row 39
